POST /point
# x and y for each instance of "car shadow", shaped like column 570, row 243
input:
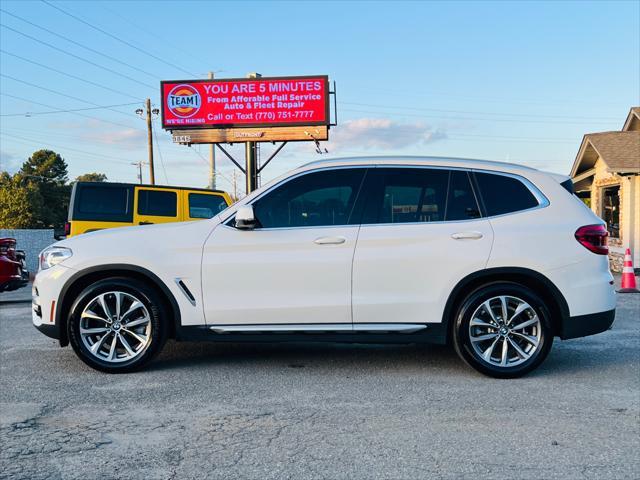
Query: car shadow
column 579, row 356
column 178, row 355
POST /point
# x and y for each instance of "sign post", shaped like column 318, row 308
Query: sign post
column 249, row 110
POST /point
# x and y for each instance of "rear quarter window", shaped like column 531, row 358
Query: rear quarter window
column 102, row 202
column 502, row 194
column 203, row 205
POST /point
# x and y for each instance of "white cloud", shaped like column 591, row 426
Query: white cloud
column 9, row 163
column 382, row 134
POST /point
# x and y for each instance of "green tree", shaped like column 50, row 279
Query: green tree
column 47, row 171
column 92, row 177
column 20, row 202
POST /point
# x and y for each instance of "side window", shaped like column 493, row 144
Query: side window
column 97, row 202
column 202, row 205
column 312, row 200
column 407, row 195
column 461, row 202
column 160, row 203
column 502, row 194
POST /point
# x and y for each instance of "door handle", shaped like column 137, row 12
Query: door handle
column 145, row 223
column 329, row 240
column 467, row 236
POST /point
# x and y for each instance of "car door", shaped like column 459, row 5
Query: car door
column 295, row 266
column 156, row 205
column 421, row 233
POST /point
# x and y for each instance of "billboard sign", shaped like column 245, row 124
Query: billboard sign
column 246, row 102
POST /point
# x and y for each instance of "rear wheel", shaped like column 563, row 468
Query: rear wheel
column 117, row 325
column 503, row 330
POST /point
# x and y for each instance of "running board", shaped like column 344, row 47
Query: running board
column 320, row 328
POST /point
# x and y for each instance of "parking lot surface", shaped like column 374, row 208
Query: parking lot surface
column 319, row 411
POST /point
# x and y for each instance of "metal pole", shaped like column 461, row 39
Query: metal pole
column 250, row 168
column 152, row 177
column 212, row 158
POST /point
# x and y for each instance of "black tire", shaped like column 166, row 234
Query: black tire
column 156, row 311
column 462, row 333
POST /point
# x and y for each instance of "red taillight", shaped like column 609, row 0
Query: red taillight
column 594, row 238
column 67, row 228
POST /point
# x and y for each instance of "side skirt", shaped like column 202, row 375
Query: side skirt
column 433, row 333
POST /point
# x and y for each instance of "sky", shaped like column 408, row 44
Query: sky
column 508, row 81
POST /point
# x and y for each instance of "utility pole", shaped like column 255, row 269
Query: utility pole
column 152, row 177
column 251, row 157
column 212, row 158
column 139, row 165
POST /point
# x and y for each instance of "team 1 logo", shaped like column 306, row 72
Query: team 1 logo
column 183, row 101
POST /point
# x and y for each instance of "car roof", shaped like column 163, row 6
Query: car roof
column 421, row 160
column 145, row 185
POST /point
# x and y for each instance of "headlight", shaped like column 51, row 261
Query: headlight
column 53, row 256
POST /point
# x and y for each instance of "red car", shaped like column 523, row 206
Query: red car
column 13, row 271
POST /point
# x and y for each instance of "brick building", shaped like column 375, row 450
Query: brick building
column 606, row 175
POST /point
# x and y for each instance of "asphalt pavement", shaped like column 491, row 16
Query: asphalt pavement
column 319, row 411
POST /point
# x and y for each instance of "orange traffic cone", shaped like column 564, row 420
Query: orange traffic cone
column 628, row 284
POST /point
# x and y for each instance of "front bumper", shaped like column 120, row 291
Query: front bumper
column 45, row 296
column 584, row 325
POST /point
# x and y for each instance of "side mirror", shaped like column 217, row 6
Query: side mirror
column 245, row 218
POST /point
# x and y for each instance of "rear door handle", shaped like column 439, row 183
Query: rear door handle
column 329, row 240
column 145, row 223
column 467, row 236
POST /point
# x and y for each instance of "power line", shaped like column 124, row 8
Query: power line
column 59, row 93
column 30, row 114
column 114, row 59
column 116, row 38
column 69, row 75
column 164, row 170
column 114, row 72
column 527, row 115
column 73, row 113
column 77, row 138
column 31, row 140
column 154, row 35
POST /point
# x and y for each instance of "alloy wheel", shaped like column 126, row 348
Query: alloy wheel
column 115, row 327
column 505, row 331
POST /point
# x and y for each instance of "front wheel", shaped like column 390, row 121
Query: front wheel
column 503, row 330
column 117, row 325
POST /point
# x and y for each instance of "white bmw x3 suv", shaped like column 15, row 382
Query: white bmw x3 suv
column 493, row 258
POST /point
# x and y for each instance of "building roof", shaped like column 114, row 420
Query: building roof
column 632, row 123
column 620, row 151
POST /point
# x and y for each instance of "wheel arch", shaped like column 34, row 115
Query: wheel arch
column 83, row 278
column 540, row 284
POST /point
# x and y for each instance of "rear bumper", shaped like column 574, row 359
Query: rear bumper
column 584, row 325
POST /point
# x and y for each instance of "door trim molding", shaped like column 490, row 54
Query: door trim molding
column 323, row 327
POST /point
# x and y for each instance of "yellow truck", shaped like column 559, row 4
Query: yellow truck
column 99, row 205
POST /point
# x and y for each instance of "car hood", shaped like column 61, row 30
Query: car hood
column 137, row 245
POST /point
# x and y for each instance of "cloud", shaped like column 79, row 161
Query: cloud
column 9, row 163
column 382, row 134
